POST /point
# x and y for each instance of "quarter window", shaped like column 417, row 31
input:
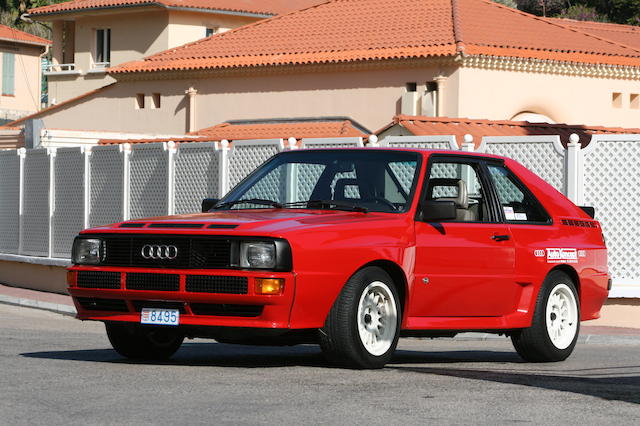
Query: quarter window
column 517, row 203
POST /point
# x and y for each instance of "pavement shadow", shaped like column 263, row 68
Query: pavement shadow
column 242, row 356
column 625, row 388
column 205, row 354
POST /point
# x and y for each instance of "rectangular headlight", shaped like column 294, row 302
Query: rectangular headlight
column 258, row 254
column 87, row 251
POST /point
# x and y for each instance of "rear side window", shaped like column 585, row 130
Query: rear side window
column 518, row 204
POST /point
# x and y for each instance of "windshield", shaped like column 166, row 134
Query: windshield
column 358, row 180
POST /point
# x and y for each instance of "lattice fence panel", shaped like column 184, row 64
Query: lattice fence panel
column 68, row 215
column 612, row 186
column 197, row 167
column 541, row 157
column 310, row 143
column 148, row 180
column 9, row 201
column 421, row 142
column 106, row 170
column 246, row 157
column 35, row 223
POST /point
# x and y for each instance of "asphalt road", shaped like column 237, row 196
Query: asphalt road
column 57, row 370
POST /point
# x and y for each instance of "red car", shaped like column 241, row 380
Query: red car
column 351, row 249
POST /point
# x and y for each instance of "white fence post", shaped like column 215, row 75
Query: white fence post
column 87, row 187
column 52, row 195
column 223, row 169
column 573, row 170
column 171, row 183
column 22, row 153
column 467, row 144
column 126, row 196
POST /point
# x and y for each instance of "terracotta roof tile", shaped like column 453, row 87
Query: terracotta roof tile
column 628, row 35
column 359, row 30
column 263, row 130
column 8, row 33
column 423, row 126
column 260, row 7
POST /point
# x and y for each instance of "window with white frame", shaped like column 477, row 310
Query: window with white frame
column 8, row 74
column 103, row 48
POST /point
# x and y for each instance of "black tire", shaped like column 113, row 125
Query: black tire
column 536, row 344
column 144, row 342
column 342, row 341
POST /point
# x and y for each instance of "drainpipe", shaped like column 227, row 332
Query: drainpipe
column 191, row 113
column 440, row 81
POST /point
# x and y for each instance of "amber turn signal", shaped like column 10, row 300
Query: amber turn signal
column 269, row 285
column 71, row 278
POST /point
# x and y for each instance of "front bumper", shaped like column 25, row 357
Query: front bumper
column 248, row 310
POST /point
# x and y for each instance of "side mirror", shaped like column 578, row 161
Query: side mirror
column 436, row 211
column 208, row 203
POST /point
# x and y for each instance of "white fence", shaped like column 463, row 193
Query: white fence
column 47, row 196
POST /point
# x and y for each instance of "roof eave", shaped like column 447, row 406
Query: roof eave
column 30, row 42
column 152, row 4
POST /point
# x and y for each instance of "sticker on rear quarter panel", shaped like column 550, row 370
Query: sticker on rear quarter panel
column 562, row 255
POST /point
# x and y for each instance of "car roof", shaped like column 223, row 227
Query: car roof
column 425, row 152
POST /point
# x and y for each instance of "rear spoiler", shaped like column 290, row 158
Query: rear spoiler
column 591, row 211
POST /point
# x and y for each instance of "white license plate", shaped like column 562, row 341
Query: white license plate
column 160, row 316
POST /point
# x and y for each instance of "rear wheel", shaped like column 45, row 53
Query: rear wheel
column 556, row 322
column 144, row 342
column 363, row 326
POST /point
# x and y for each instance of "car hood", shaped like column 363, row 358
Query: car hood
column 251, row 222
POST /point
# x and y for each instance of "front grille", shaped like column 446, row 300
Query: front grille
column 95, row 304
column 216, row 284
column 192, row 252
column 98, row 279
column 156, row 282
column 159, row 304
column 226, row 310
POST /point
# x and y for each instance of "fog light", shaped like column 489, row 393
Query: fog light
column 71, row 278
column 269, row 285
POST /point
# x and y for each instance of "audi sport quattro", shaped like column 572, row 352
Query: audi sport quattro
column 352, row 249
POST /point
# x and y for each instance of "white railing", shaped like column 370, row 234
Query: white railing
column 54, row 68
column 100, row 65
column 48, row 195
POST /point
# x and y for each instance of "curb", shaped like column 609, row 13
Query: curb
column 37, row 304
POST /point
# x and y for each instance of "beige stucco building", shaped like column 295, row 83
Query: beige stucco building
column 21, row 73
column 469, row 58
column 90, row 37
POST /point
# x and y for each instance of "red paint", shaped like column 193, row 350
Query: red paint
column 474, row 281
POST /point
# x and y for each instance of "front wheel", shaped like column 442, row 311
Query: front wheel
column 144, row 342
column 556, row 322
column 363, row 326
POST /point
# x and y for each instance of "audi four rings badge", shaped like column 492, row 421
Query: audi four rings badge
column 157, row 252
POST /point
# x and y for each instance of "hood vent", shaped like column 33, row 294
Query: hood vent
column 132, row 225
column 222, row 226
column 176, row 225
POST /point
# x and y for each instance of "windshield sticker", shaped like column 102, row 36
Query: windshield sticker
column 562, row 255
column 521, row 216
column 508, row 213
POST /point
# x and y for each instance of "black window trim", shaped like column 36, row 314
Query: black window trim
column 487, row 184
column 522, row 187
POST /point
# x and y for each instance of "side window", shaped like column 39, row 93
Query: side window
column 459, row 182
column 517, row 203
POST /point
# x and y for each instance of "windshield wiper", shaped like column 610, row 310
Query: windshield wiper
column 328, row 204
column 259, row 201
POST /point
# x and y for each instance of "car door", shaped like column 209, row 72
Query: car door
column 464, row 267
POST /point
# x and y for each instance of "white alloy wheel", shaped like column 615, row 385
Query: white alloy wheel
column 377, row 318
column 561, row 316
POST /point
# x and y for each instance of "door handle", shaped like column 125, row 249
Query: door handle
column 500, row 237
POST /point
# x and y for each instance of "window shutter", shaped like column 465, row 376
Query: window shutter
column 8, row 73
